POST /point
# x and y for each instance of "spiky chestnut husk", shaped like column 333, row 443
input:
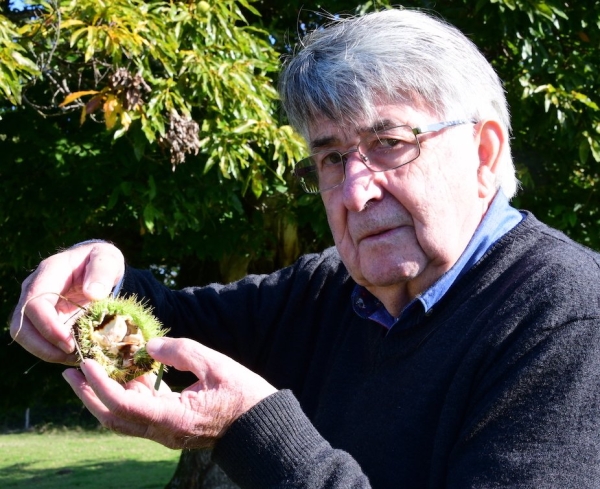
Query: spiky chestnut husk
column 114, row 332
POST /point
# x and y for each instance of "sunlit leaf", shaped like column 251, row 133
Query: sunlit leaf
column 112, row 109
column 76, row 95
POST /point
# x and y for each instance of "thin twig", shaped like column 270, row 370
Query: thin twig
column 56, row 37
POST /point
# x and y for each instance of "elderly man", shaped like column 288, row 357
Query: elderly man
column 448, row 340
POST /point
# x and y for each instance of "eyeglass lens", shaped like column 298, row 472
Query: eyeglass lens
column 381, row 150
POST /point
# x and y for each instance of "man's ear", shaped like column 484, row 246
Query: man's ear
column 492, row 145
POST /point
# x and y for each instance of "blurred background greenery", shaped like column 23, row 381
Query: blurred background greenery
column 156, row 125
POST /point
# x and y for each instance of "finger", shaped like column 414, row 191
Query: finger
column 36, row 326
column 147, row 382
column 58, row 274
column 235, row 389
column 123, row 403
column 99, row 410
column 80, row 386
column 104, row 270
column 184, row 354
column 30, row 339
column 139, row 412
column 39, row 326
column 41, row 293
column 97, row 378
column 51, row 294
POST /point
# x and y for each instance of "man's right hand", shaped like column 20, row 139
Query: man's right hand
column 50, row 296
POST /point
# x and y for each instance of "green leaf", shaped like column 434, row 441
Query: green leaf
column 114, row 198
column 151, row 188
column 149, row 217
column 24, row 62
column 584, row 151
column 244, row 127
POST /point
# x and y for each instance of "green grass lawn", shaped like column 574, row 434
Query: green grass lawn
column 68, row 459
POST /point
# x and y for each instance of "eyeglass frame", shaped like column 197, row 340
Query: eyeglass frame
column 435, row 127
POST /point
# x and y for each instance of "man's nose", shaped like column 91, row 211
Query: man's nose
column 360, row 184
column 355, row 155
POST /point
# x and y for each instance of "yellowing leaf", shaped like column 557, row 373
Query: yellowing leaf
column 76, row 35
column 244, row 126
column 112, row 109
column 70, row 23
column 75, row 95
column 23, row 61
column 125, row 120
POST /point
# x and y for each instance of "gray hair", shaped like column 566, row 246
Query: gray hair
column 396, row 55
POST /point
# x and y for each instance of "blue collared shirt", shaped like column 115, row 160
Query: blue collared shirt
column 497, row 221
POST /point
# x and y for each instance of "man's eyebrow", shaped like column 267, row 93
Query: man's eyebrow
column 323, row 142
column 327, row 141
column 380, row 125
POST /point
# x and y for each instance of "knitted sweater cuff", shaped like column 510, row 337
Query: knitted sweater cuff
column 272, row 443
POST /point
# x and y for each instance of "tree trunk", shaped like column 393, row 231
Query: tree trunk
column 197, row 471
column 233, row 267
column 288, row 244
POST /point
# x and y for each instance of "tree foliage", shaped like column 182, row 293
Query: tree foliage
column 15, row 68
column 155, row 124
column 547, row 53
column 106, row 102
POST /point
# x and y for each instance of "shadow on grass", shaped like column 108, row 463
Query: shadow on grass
column 106, row 475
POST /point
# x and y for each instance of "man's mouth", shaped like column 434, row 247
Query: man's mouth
column 375, row 233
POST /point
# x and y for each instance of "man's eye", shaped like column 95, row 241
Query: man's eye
column 304, row 171
column 329, row 159
column 388, row 142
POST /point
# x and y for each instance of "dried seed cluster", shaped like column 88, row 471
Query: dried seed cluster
column 114, row 332
column 181, row 138
column 128, row 88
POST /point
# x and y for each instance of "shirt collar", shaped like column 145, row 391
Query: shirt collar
column 497, row 221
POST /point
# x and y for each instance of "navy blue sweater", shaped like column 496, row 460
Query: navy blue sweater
column 497, row 386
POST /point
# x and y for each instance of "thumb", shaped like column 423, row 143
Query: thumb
column 238, row 387
column 104, row 270
column 183, row 354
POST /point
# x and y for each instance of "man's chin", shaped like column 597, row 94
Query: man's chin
column 389, row 275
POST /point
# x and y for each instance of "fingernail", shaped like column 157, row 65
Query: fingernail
column 96, row 290
column 66, row 376
column 70, row 376
column 154, row 345
column 66, row 346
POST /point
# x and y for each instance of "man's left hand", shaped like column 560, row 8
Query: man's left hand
column 194, row 418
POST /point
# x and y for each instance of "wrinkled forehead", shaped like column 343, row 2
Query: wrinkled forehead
column 379, row 115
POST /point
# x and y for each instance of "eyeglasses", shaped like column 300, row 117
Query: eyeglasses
column 382, row 150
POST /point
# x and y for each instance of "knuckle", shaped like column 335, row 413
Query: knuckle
column 109, row 423
column 27, row 282
column 120, row 412
column 14, row 327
